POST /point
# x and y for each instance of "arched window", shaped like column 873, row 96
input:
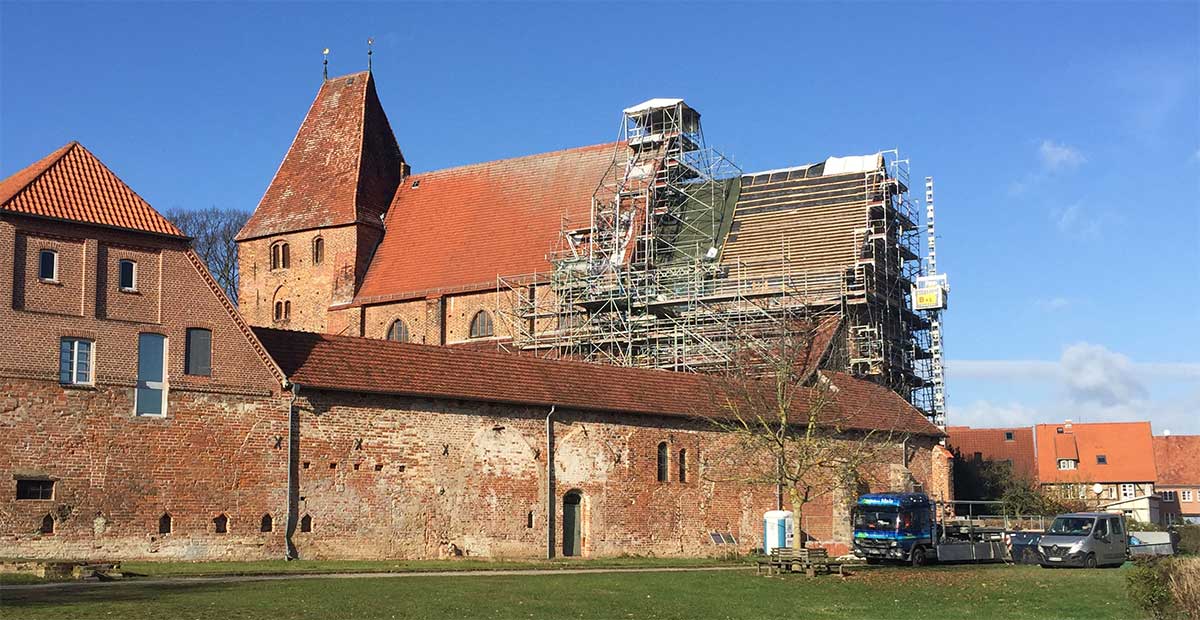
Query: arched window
column 683, row 464
column 398, row 331
column 267, row 523
column 127, row 275
column 221, row 524
column 279, row 311
column 306, row 523
column 318, row 250
column 481, row 325
column 280, row 258
column 47, row 525
column 663, row 474
column 164, row 523
column 48, row 266
column 287, row 310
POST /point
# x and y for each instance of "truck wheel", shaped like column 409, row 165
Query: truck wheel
column 1090, row 561
column 918, row 557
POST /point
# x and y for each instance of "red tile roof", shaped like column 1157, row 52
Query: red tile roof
column 73, row 184
column 991, row 444
column 343, row 166
column 329, row 362
column 458, row 229
column 1178, row 460
column 1126, row 446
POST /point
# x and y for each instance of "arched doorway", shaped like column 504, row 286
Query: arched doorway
column 571, row 523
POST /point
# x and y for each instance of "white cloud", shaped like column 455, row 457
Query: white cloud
column 1054, row 304
column 1088, row 383
column 1057, row 157
column 1093, row 374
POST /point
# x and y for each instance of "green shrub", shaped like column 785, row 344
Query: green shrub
column 1189, row 539
column 1149, row 588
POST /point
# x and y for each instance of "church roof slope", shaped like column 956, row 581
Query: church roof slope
column 342, row 167
column 458, row 229
column 73, row 184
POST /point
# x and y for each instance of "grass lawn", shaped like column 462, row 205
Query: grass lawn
column 891, row 593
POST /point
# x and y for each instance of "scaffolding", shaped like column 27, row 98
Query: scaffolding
column 685, row 261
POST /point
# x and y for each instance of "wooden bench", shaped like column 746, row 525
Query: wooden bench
column 780, row 559
column 812, row 560
column 787, row 559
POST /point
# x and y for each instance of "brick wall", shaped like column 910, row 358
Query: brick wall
column 116, row 473
column 311, row 288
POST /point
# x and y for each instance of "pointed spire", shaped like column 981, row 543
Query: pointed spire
column 370, row 50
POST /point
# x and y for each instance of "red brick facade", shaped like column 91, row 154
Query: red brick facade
column 115, row 473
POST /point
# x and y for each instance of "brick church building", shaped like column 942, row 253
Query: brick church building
column 145, row 416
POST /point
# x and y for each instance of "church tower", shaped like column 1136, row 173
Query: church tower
column 309, row 242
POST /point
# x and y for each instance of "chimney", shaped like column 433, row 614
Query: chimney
column 1067, row 426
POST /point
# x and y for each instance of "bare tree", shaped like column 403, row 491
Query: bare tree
column 790, row 429
column 213, row 231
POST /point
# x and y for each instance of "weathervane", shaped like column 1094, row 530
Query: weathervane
column 325, row 70
column 370, row 50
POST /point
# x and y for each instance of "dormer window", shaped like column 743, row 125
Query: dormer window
column 280, row 256
column 1067, row 464
column 48, row 266
column 1101, row 459
column 1008, row 436
column 127, row 275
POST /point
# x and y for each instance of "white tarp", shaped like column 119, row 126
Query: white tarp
column 853, row 163
column 653, row 104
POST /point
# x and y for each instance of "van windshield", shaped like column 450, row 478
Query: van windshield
column 876, row 520
column 1072, row 526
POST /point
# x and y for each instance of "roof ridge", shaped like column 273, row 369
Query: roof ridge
column 46, row 163
column 416, row 175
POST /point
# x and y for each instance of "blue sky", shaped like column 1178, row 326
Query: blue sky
column 1064, row 139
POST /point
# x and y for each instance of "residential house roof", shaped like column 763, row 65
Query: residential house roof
column 1127, row 448
column 458, row 229
column 337, row 363
column 1177, row 458
column 342, row 167
column 993, row 444
column 73, row 184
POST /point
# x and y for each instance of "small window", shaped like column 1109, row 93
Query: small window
column 481, row 325
column 1066, row 464
column 47, row 526
column 75, row 361
column 164, row 524
column 683, row 465
column 663, row 476
column 283, row 310
column 35, row 489
column 398, row 331
column 267, row 524
column 529, row 520
column 1008, row 435
column 127, row 275
column 287, row 310
column 318, row 250
column 150, row 397
column 1101, row 459
column 221, row 524
column 1185, row 495
column 48, row 266
column 978, row 457
column 280, row 258
column 1128, row 491
column 306, row 523
column 1169, row 496
column 1116, row 526
column 198, row 357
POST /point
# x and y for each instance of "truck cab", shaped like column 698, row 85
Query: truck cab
column 897, row 527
